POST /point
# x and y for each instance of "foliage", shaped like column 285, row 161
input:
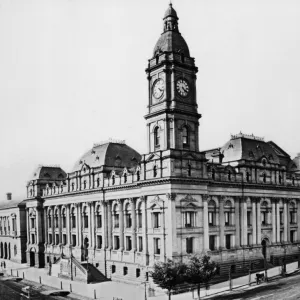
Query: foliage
column 168, row 274
column 200, row 269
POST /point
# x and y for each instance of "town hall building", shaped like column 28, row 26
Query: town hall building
column 118, row 212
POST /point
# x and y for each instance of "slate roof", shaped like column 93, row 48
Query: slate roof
column 48, row 172
column 109, row 154
column 4, row 204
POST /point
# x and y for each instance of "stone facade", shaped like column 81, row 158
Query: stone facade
column 120, row 211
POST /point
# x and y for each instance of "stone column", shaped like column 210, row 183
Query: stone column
column 60, row 224
column 277, row 221
column 52, row 224
column 258, row 218
column 288, row 217
column 93, row 224
column 298, row 219
column 109, row 225
column 68, row 224
column 222, row 222
column 144, row 220
column 28, row 225
column 237, row 222
column 244, row 223
column 46, row 226
column 104, row 224
column 133, row 227
column 79, row 227
column 254, row 224
column 285, row 221
column 170, row 220
column 273, row 221
column 121, row 224
column 205, row 199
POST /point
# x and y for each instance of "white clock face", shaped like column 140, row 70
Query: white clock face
column 182, row 87
column 158, row 88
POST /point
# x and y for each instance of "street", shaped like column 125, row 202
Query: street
column 278, row 289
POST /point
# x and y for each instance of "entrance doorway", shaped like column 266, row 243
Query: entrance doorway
column 85, row 251
column 265, row 252
column 32, row 258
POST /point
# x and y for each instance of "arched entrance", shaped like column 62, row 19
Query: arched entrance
column 32, row 257
column 5, row 251
column 265, row 252
column 85, row 251
column 1, row 250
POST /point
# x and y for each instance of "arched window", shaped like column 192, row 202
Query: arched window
column 73, row 186
column 293, row 181
column 264, row 178
column 279, row 179
column 54, row 189
column 125, row 177
column 128, row 218
column 113, row 179
column 138, row 176
column 185, row 136
column 98, row 182
column 84, row 185
column 154, row 171
column 73, row 217
column 156, row 137
column 85, row 218
column 64, row 220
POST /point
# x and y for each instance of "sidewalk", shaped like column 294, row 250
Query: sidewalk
column 109, row 290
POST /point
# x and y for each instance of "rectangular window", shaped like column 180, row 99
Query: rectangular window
column 116, row 242
column 281, row 236
column 64, row 221
column 116, row 221
column 128, row 220
column 64, row 239
column 189, row 245
column 212, row 242
column 128, row 243
column 281, row 217
column 73, row 240
column 189, row 220
column 249, row 238
column 140, row 244
column 156, row 219
column 292, row 217
column 140, row 220
column 157, row 246
column 32, row 223
column 99, row 241
column 86, row 221
column 73, row 221
column 263, row 218
column 292, row 235
column 32, row 239
column 14, row 224
column 249, row 218
column 99, row 221
column 227, row 241
column 227, row 218
column 56, row 239
column 50, row 238
column 211, row 218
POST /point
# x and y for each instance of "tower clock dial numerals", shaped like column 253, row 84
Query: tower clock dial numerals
column 182, row 87
column 158, row 88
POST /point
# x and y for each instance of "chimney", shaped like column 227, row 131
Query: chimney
column 8, row 195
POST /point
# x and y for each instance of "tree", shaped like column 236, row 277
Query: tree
column 200, row 269
column 168, row 274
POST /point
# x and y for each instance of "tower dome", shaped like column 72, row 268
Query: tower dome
column 171, row 39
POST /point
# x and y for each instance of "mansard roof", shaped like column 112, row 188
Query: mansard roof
column 109, row 154
column 48, row 173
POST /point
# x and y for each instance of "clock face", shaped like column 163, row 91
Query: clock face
column 182, row 87
column 158, row 88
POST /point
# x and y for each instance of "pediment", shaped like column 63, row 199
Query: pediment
column 188, row 198
column 157, row 201
column 151, row 157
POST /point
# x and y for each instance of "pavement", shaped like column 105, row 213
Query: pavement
column 121, row 291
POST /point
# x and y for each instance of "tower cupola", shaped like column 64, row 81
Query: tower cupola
column 170, row 19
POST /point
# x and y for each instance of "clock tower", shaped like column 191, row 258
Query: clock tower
column 172, row 116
